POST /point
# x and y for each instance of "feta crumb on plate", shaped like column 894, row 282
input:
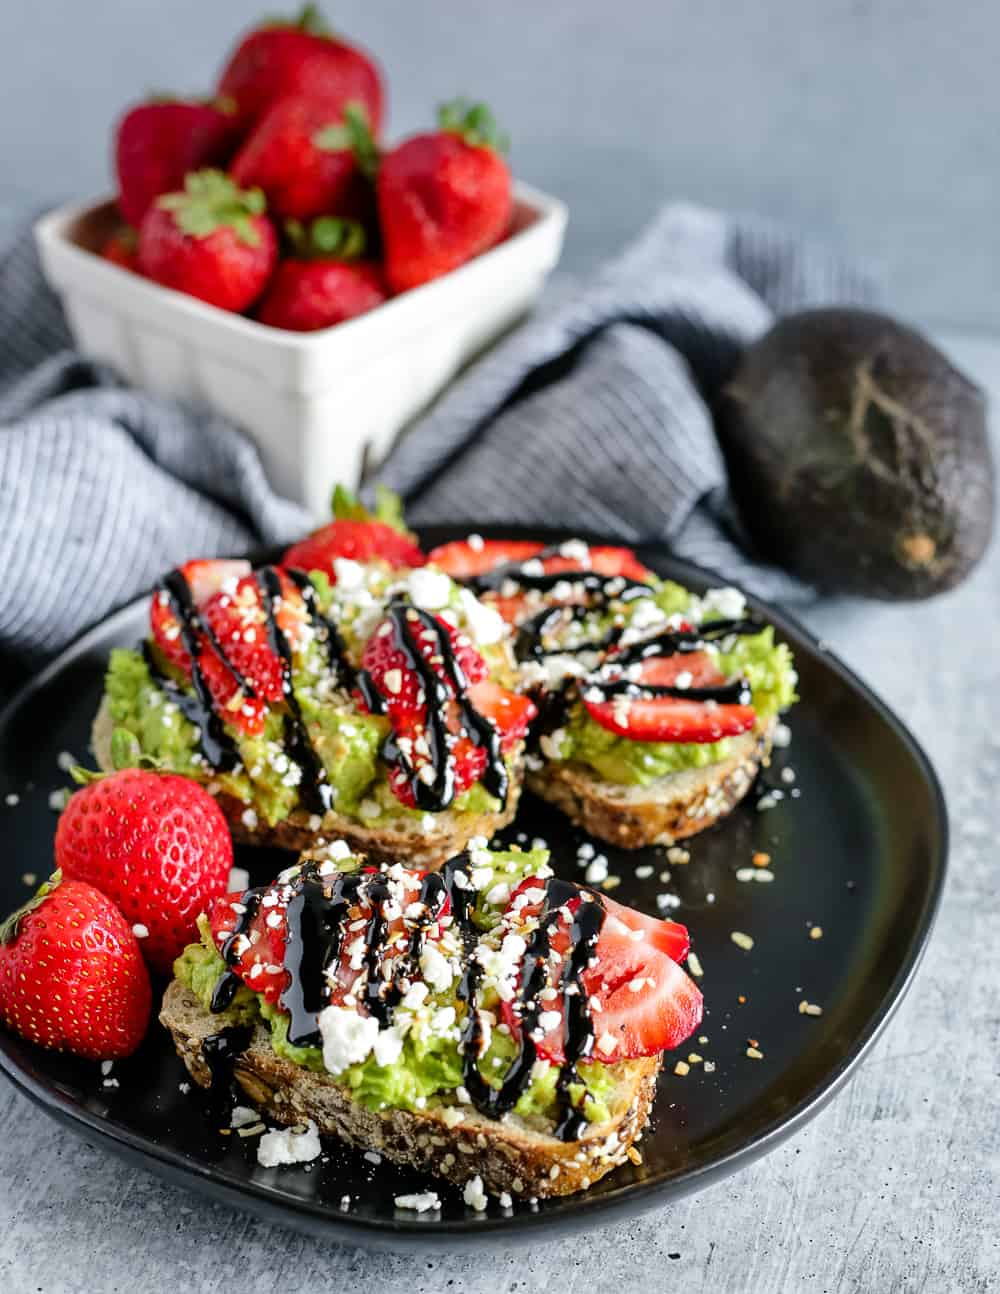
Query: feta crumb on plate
column 286, row 1146
column 425, row 1202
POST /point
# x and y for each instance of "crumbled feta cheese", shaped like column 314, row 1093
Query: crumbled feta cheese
column 242, row 1117
column 436, row 969
column 369, row 809
column 428, row 589
column 426, row 1202
column 474, row 1195
column 350, row 575
column 348, row 1038
column 140, row 931
column 486, row 625
column 239, row 880
column 388, row 1046
column 597, row 871
column 249, row 819
column 285, row 1146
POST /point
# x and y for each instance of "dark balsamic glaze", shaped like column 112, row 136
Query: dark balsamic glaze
column 406, row 621
column 216, row 744
column 578, row 1040
column 220, row 1052
column 336, row 649
column 315, row 791
column 318, row 920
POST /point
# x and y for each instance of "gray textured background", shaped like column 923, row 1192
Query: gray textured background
column 873, row 122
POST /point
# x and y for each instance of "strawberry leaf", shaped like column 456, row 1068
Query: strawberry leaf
column 327, row 238
column 388, row 508
column 209, row 201
column 11, row 926
column 354, row 135
column 473, row 122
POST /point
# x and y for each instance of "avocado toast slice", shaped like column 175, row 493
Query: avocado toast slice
column 487, row 1020
column 658, row 706
column 370, row 703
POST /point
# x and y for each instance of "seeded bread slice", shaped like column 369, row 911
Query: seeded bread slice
column 511, row 1154
column 396, row 840
column 671, row 808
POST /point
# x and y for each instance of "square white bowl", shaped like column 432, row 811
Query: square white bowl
column 321, row 406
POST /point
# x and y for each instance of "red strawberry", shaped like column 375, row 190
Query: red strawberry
column 322, row 288
column 386, row 663
column 71, row 974
column 300, row 57
column 266, row 951
column 204, row 577
column 667, row 718
column 443, row 197
column 463, row 558
column 155, row 843
column 121, row 248
column 239, row 623
column 311, row 158
column 158, row 143
column 358, row 534
column 306, row 295
column 212, row 241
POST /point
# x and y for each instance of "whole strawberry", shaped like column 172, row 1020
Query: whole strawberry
column 121, row 248
column 300, row 57
column 358, row 535
column 311, row 158
column 212, row 241
column 156, row 844
column 71, row 974
column 324, row 283
column 443, row 197
column 158, row 143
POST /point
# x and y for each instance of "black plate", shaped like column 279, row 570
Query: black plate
column 859, row 850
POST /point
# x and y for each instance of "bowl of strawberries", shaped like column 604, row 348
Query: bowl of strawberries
column 267, row 254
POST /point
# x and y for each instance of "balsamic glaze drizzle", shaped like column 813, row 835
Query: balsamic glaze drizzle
column 317, row 914
column 315, row 790
column 406, row 621
column 600, row 590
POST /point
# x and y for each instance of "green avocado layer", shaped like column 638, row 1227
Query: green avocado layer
column 347, row 742
column 766, row 665
column 429, row 1067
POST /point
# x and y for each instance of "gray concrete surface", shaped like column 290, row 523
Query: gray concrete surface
column 894, row 1189
column 872, row 123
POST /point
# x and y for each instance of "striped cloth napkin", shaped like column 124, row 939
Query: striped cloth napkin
column 593, row 414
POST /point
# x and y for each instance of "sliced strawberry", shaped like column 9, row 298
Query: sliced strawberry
column 669, row 937
column 641, row 1002
column 204, row 577
column 618, row 561
column 361, row 541
column 462, row 559
column 399, row 684
column 265, row 950
column 258, row 960
column 665, row 718
column 510, row 712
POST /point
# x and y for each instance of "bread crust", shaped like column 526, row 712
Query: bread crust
column 669, row 809
column 402, row 841
column 509, row 1154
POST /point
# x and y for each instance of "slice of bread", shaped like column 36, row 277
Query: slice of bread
column 669, row 809
column 511, row 1154
column 402, row 839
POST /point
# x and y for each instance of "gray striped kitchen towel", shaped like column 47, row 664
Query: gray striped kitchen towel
column 595, row 413
column 591, row 414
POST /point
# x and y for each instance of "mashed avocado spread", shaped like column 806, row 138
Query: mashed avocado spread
column 766, row 665
column 429, row 1065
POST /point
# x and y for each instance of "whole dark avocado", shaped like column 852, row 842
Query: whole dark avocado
column 858, row 455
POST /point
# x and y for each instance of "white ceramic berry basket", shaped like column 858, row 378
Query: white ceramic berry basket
column 321, row 406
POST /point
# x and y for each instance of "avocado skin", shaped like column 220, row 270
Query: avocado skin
column 859, row 456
